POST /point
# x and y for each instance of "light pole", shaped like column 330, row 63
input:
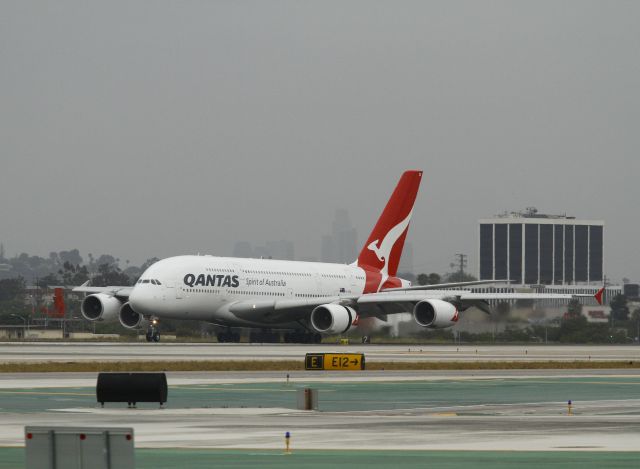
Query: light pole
column 26, row 325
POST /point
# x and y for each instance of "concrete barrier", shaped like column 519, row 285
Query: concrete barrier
column 79, row 448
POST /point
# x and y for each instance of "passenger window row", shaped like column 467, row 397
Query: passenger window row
column 276, row 272
column 256, row 293
column 202, row 290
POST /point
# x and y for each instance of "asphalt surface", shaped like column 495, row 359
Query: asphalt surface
column 13, row 458
column 435, row 411
column 15, row 352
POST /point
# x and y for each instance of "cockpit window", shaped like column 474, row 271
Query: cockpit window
column 153, row 281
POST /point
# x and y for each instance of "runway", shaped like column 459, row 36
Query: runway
column 12, row 352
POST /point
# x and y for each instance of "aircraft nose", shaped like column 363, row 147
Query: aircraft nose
column 139, row 300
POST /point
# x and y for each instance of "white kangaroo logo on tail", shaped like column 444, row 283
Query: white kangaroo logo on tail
column 383, row 252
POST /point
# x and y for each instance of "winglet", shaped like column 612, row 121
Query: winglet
column 598, row 295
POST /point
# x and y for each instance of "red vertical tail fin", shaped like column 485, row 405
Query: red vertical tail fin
column 383, row 248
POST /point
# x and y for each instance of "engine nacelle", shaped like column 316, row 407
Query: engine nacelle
column 333, row 319
column 435, row 314
column 130, row 319
column 100, row 307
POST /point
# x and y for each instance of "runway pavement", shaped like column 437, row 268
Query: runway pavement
column 87, row 351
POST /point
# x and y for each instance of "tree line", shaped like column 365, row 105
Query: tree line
column 68, row 268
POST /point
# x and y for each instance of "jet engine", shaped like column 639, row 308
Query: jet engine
column 435, row 314
column 333, row 318
column 100, row 307
column 130, row 319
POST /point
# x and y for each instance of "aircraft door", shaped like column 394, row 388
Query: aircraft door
column 179, row 292
column 353, row 282
column 319, row 283
column 167, row 290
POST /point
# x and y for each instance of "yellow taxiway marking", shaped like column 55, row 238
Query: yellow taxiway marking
column 444, row 414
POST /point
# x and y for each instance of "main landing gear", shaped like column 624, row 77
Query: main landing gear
column 301, row 337
column 228, row 336
column 264, row 336
column 153, row 331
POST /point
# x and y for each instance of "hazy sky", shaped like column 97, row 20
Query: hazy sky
column 156, row 128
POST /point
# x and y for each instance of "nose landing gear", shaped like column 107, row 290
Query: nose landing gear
column 153, row 332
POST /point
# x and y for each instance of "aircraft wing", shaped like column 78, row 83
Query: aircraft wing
column 381, row 304
column 440, row 286
column 277, row 311
column 384, row 303
column 121, row 291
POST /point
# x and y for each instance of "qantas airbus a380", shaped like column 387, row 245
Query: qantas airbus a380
column 306, row 298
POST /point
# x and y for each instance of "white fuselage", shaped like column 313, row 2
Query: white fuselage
column 205, row 287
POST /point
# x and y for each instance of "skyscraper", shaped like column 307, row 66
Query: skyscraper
column 340, row 246
column 406, row 261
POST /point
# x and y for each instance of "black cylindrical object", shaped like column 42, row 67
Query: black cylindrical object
column 132, row 387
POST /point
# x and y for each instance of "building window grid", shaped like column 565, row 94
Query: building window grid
column 508, row 277
column 588, row 254
column 553, row 254
column 563, row 265
column 493, row 251
column 559, row 262
column 500, row 251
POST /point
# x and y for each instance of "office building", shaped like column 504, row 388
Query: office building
column 529, row 248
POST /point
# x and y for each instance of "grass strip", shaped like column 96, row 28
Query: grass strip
column 298, row 365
